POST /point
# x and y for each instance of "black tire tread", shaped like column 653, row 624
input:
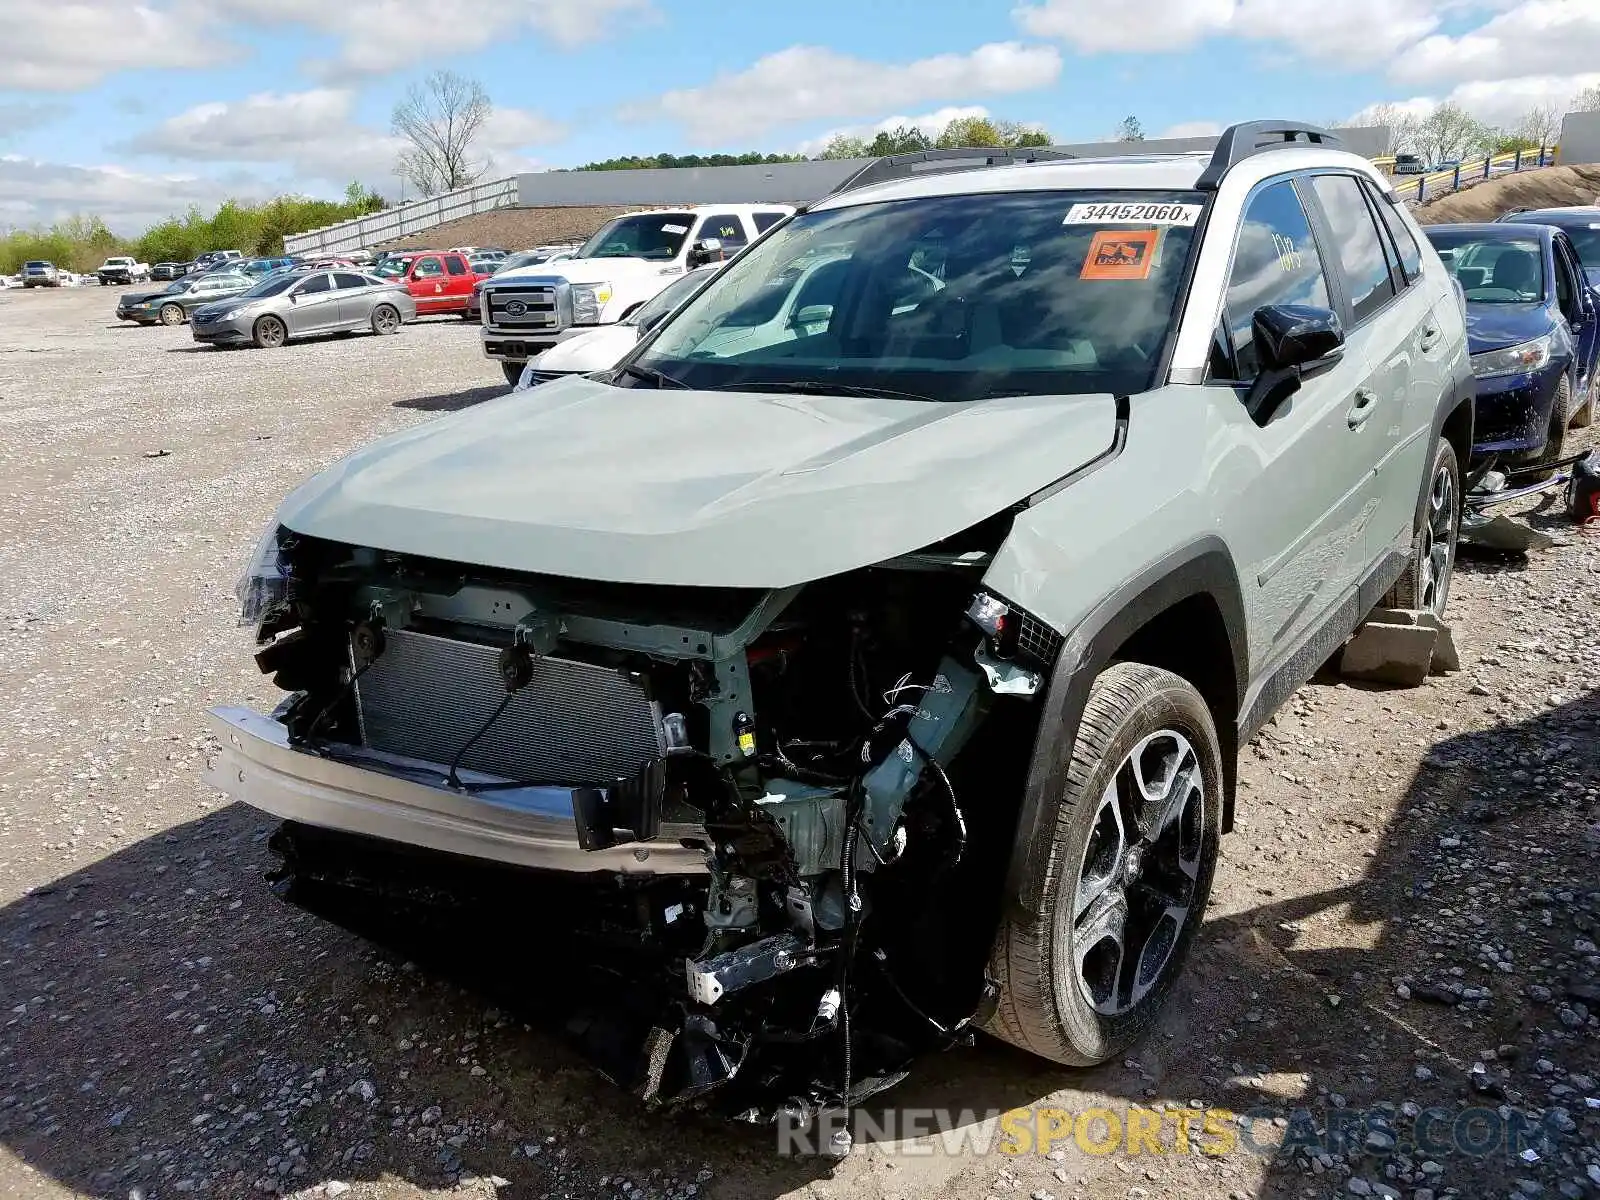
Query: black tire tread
column 1027, row 1015
column 1404, row 593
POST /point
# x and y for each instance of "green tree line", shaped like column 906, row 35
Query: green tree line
column 83, row 242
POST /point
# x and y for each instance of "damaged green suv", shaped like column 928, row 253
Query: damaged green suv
column 864, row 660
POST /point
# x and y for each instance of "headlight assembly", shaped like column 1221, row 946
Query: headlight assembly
column 232, row 314
column 265, row 582
column 1513, row 360
column 588, row 300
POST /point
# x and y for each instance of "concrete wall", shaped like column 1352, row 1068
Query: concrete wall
column 1580, row 139
column 802, row 182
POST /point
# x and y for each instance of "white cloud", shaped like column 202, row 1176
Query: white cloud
column 1346, row 31
column 313, row 135
column 1191, row 129
column 1536, row 38
column 1499, row 102
column 384, row 35
column 808, row 83
column 62, row 47
column 932, row 124
column 38, row 193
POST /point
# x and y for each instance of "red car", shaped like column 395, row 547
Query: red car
column 440, row 281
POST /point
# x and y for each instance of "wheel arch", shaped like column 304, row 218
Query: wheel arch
column 1184, row 613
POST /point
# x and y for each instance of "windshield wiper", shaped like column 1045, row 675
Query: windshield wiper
column 820, row 388
column 660, row 378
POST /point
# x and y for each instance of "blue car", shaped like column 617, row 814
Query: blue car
column 1581, row 223
column 1533, row 328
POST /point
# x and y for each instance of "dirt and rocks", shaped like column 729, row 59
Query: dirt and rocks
column 1484, row 200
column 1398, row 978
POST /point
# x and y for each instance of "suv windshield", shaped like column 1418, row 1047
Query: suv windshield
column 649, row 235
column 947, row 298
column 36, row 263
column 391, row 268
column 668, row 298
column 1492, row 270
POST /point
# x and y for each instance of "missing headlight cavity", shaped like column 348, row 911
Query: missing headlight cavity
column 846, row 758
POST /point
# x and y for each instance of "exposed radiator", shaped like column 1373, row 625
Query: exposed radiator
column 574, row 723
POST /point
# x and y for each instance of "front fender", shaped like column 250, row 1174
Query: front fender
column 1203, row 567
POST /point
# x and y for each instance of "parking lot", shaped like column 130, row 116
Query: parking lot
column 1405, row 915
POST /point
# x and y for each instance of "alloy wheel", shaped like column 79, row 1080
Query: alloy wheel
column 386, row 320
column 1437, row 560
column 1139, row 880
column 270, row 331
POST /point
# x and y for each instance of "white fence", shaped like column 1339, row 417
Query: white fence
column 403, row 219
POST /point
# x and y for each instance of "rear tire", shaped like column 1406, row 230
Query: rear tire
column 1426, row 582
column 385, row 320
column 513, row 371
column 1068, row 990
column 171, row 314
column 269, row 333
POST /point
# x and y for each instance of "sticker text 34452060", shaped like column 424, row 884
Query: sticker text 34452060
column 1161, row 213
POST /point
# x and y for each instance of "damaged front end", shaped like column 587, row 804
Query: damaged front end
column 754, row 838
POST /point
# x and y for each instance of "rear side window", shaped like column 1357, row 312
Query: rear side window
column 766, row 220
column 727, row 229
column 1405, row 242
column 1360, row 252
column 456, row 265
column 345, row 280
column 1275, row 262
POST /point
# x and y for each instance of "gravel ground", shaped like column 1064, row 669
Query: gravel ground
column 1404, row 926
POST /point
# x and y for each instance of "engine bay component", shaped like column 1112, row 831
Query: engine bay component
column 808, row 744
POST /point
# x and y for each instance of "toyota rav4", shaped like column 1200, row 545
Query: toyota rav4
column 866, row 666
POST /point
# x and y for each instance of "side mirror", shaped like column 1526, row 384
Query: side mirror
column 294, row 297
column 706, row 250
column 1294, row 342
column 812, row 314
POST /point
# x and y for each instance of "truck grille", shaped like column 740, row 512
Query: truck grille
column 574, row 723
column 531, row 308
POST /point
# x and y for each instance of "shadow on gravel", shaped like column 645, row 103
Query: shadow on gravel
column 1468, row 940
column 167, row 1024
column 454, row 401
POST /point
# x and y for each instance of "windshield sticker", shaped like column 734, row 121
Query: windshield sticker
column 1120, row 254
column 1132, row 214
column 674, row 229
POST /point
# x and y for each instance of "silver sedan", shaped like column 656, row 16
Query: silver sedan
column 291, row 304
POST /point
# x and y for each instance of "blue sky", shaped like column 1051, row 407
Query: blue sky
column 136, row 108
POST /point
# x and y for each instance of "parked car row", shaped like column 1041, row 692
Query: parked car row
column 1530, row 284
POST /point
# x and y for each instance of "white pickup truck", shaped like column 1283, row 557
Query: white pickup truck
column 122, row 269
column 626, row 263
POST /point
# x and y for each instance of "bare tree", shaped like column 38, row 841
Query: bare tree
column 1450, row 131
column 1587, row 100
column 441, row 117
column 1540, row 125
column 1402, row 126
column 1128, row 130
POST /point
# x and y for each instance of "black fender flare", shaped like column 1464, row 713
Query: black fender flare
column 1464, row 391
column 1202, row 567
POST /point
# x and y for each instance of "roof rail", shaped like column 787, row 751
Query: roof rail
column 1239, row 142
column 939, row 162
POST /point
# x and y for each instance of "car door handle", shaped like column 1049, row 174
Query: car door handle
column 1366, row 404
column 1430, row 337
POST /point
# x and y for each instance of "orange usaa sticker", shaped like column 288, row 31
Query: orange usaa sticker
column 1120, row 254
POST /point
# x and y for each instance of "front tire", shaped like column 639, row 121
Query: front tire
column 1121, row 887
column 1584, row 416
column 269, row 333
column 171, row 314
column 513, row 371
column 1426, row 582
column 1555, row 446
